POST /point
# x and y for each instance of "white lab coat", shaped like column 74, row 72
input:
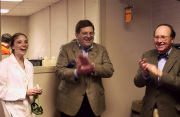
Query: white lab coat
column 14, row 81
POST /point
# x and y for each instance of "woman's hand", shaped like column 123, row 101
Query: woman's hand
column 33, row 92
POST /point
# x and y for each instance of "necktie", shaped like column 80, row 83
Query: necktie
column 160, row 56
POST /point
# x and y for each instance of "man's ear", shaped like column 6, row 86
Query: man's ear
column 172, row 40
column 76, row 34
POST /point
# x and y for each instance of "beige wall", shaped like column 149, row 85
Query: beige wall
column 167, row 11
column 14, row 24
column 39, row 34
column 49, row 83
column 54, row 26
column 125, row 43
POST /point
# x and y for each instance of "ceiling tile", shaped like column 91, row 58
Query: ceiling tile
column 27, row 7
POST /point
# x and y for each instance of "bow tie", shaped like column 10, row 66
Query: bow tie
column 160, row 56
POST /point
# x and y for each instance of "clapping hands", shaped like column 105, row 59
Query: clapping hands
column 147, row 67
column 143, row 66
column 84, row 65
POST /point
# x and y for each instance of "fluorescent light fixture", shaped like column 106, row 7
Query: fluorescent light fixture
column 12, row 0
column 4, row 10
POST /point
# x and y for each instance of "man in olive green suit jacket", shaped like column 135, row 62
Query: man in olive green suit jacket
column 81, row 75
column 162, row 81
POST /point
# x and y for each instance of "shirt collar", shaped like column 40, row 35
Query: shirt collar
column 81, row 47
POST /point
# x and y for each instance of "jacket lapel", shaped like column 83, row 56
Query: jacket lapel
column 76, row 50
column 173, row 57
column 153, row 59
column 93, row 53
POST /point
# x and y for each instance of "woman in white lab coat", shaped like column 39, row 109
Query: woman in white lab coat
column 16, row 80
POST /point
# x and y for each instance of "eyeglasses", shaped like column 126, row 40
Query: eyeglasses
column 162, row 38
column 86, row 33
column 36, row 108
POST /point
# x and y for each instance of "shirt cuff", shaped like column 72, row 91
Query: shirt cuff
column 159, row 78
column 145, row 78
column 75, row 73
column 22, row 94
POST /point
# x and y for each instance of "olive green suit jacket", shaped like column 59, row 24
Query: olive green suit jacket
column 166, row 92
column 71, row 91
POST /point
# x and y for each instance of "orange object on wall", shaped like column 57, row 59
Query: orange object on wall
column 128, row 15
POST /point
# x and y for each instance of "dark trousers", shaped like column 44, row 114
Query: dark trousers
column 85, row 110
